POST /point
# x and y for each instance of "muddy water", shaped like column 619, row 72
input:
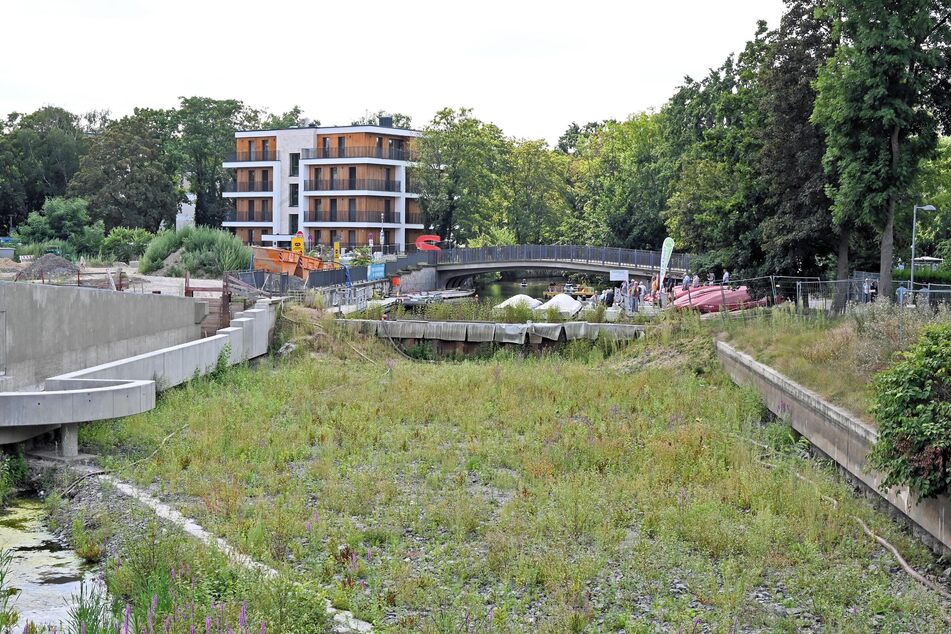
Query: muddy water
column 43, row 569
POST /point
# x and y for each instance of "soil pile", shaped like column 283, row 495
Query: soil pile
column 9, row 266
column 47, row 266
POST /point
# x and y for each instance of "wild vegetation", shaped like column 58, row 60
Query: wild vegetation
column 200, row 250
column 552, row 494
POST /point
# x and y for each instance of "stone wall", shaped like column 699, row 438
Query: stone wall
column 841, row 436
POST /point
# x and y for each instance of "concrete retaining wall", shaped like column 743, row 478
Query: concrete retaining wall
column 48, row 330
column 128, row 386
column 838, row 434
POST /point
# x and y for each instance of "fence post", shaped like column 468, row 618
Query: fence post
column 722, row 302
column 798, row 296
column 772, row 283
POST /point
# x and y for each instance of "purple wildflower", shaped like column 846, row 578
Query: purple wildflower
column 262, row 627
column 128, row 614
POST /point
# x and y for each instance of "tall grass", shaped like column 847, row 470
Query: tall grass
column 205, row 251
column 519, row 494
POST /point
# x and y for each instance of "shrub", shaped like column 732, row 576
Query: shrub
column 924, row 276
column 125, row 244
column 912, row 402
column 205, row 251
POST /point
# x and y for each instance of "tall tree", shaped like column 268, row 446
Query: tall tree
column 876, row 103
column 400, row 120
column 798, row 233
column 130, row 177
column 461, row 164
column 64, row 219
column 534, row 191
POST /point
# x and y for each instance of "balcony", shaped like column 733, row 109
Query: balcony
column 351, row 184
column 414, row 218
column 241, row 157
column 248, row 216
column 358, row 152
column 243, row 187
column 371, row 217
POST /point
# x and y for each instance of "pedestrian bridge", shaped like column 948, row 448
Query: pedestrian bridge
column 453, row 265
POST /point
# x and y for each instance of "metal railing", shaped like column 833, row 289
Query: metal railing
column 358, row 152
column 248, row 216
column 604, row 256
column 331, row 215
column 351, row 184
column 237, row 157
column 249, row 186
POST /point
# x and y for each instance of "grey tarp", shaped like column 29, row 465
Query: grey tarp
column 575, row 329
column 446, row 330
column 511, row 333
column 480, row 332
column 362, row 326
column 402, row 329
column 552, row 332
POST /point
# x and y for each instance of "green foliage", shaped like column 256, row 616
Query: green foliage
column 130, row 175
column 400, row 120
column 125, row 244
column 63, row 219
column 8, row 614
column 494, row 236
column 913, row 407
column 205, row 251
column 925, row 276
column 13, row 474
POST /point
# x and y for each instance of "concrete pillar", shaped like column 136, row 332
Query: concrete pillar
column 69, row 440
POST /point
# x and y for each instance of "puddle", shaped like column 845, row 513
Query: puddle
column 44, row 570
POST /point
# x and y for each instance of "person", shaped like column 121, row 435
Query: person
column 710, row 278
column 654, row 284
column 696, row 280
column 609, row 298
column 686, row 283
column 642, row 289
column 866, row 290
column 671, row 282
column 635, row 290
column 726, row 277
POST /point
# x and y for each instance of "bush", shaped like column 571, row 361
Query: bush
column 924, row 276
column 883, row 329
column 205, row 251
column 124, row 244
column 912, row 403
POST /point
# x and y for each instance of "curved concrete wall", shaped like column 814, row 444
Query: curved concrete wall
column 128, row 386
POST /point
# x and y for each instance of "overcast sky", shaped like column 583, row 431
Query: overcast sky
column 529, row 67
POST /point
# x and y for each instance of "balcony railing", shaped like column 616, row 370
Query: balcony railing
column 414, row 218
column 249, row 186
column 358, row 152
column 248, row 216
column 350, row 184
column 329, row 215
column 412, row 186
column 236, row 157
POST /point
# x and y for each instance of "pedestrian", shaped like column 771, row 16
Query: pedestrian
column 710, row 278
column 654, row 285
column 635, row 296
column 686, row 283
column 609, row 298
column 642, row 289
column 696, row 280
column 726, row 277
column 866, row 290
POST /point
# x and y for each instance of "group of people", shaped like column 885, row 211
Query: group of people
column 631, row 294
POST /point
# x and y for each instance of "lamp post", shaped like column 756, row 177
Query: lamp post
column 914, row 226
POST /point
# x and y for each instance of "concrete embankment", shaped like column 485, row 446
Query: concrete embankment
column 843, row 437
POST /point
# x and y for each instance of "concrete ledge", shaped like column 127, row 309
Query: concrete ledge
column 837, row 433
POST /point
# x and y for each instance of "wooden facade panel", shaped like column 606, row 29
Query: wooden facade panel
column 244, row 144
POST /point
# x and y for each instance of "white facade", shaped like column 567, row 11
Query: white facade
column 303, row 141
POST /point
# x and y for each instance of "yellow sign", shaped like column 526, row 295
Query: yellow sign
column 336, row 251
column 297, row 244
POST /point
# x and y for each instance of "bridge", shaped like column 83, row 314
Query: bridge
column 452, row 265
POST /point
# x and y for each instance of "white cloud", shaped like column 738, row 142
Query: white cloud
column 530, row 67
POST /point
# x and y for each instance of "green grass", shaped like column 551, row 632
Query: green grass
column 526, row 495
column 205, row 251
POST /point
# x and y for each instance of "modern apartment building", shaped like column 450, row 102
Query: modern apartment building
column 335, row 184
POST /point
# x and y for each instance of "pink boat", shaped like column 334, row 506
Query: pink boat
column 691, row 299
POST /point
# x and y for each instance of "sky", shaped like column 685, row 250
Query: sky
column 529, row 67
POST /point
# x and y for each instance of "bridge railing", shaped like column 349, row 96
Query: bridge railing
column 605, row 256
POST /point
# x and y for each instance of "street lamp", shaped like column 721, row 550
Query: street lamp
column 914, row 226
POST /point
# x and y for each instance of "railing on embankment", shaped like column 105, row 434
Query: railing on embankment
column 840, row 435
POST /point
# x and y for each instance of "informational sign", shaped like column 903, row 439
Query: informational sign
column 665, row 252
column 618, row 275
column 376, row 271
column 297, row 244
column 336, row 251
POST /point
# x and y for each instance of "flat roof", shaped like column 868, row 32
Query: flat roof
column 336, row 128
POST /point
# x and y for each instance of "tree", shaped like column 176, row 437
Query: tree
column 875, row 101
column 263, row 120
column 12, row 191
column 63, row 219
column 461, row 164
column 125, row 244
column 130, row 177
column 400, row 120
column 798, row 233
column 569, row 141
column 534, row 191
column 206, row 130
column 933, row 187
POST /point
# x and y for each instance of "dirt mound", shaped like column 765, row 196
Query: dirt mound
column 9, row 266
column 173, row 258
column 46, row 266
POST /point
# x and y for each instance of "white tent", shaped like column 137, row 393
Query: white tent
column 564, row 304
column 516, row 300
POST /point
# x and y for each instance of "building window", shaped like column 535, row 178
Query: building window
column 352, row 176
column 295, row 164
column 293, row 194
column 352, row 210
column 265, row 205
column 251, row 211
column 333, row 210
column 316, row 236
column 251, row 149
column 294, row 223
column 341, row 147
column 265, row 150
column 352, row 237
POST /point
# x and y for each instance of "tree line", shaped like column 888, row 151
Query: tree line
column 803, row 153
